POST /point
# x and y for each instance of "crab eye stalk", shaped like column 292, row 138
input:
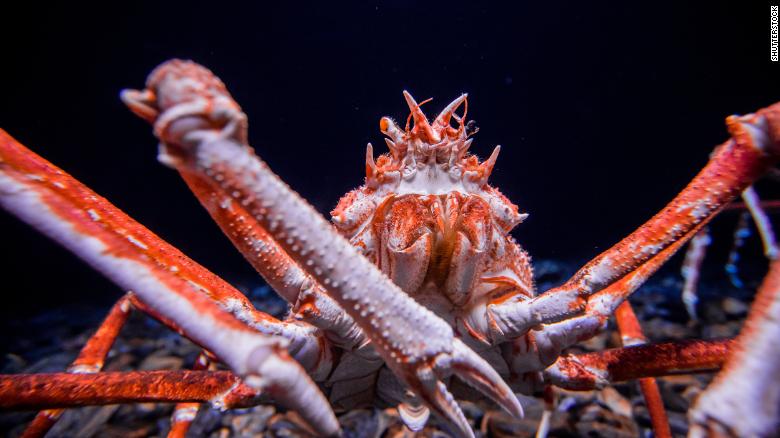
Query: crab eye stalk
column 396, row 137
column 384, row 124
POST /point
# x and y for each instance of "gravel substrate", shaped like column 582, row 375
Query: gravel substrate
column 51, row 341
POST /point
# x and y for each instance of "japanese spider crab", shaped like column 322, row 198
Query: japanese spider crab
column 417, row 281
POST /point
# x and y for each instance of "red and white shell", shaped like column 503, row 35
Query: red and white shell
column 429, row 219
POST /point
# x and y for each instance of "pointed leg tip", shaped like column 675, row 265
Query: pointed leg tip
column 125, row 94
column 140, row 102
column 289, row 383
column 509, row 402
column 410, row 101
column 517, row 408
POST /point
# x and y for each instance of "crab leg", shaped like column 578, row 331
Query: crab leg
column 595, row 370
column 753, row 204
column 282, row 273
column 691, row 268
column 220, row 388
column 89, row 361
column 631, row 334
column 549, row 340
column 163, row 278
column 744, row 399
column 734, row 165
column 95, row 212
column 317, row 363
column 550, row 402
column 184, row 413
column 181, row 419
column 203, row 131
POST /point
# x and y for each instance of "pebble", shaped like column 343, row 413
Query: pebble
column 734, row 307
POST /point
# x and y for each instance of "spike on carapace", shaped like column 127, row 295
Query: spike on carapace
column 486, row 168
column 421, row 125
column 424, row 144
column 370, row 165
column 491, row 161
column 442, row 122
column 464, row 148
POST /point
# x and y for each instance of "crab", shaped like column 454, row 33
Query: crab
column 414, row 282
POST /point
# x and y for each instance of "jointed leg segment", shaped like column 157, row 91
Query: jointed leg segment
column 631, row 334
column 184, row 413
column 64, row 390
column 281, row 272
column 596, row 370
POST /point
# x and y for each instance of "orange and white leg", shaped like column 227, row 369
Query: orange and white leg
column 587, row 371
column 283, row 275
column 547, row 341
column 417, row 345
column 163, row 278
column 222, row 389
column 184, row 413
column 744, row 399
column 595, row 290
column 631, row 334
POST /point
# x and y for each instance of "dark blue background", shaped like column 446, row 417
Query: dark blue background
column 604, row 111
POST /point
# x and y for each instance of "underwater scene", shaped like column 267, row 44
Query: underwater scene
column 390, row 219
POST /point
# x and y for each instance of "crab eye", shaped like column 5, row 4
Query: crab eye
column 471, row 128
column 384, row 124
